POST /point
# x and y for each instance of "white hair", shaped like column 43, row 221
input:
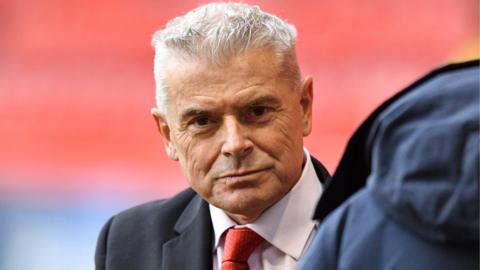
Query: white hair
column 216, row 32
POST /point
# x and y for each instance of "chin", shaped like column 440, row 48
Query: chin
column 247, row 203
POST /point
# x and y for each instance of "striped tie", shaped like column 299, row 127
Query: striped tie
column 239, row 244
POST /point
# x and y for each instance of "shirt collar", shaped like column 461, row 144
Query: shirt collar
column 288, row 224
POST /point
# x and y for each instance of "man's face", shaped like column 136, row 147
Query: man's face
column 237, row 130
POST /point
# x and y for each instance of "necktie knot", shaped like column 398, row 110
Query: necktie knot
column 239, row 245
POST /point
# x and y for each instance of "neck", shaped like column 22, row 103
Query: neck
column 243, row 219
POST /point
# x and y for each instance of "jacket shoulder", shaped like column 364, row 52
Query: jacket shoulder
column 127, row 236
column 160, row 211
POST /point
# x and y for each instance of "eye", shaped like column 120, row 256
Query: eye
column 202, row 121
column 259, row 111
column 202, row 124
column 257, row 114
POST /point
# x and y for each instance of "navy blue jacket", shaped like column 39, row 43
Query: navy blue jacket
column 408, row 182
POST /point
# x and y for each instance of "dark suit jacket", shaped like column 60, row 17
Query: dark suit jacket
column 168, row 234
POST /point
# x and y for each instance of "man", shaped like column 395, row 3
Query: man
column 417, row 157
column 232, row 109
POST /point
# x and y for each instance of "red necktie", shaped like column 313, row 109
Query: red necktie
column 239, row 244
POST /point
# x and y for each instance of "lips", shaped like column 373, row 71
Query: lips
column 242, row 173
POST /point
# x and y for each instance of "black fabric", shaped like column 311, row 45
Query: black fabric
column 168, row 234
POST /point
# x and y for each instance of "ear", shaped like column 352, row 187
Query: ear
column 164, row 130
column 306, row 101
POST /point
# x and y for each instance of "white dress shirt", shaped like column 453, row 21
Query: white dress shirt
column 287, row 226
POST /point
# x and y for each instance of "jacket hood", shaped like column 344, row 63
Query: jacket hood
column 419, row 153
column 425, row 157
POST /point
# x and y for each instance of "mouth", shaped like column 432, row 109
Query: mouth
column 242, row 173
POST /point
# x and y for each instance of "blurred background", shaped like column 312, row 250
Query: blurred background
column 77, row 142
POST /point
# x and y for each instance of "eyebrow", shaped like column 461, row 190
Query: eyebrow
column 192, row 112
column 264, row 99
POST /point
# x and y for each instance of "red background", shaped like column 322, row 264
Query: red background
column 76, row 83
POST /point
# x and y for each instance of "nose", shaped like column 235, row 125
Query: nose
column 236, row 142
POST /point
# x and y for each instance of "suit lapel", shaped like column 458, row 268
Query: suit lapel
column 321, row 171
column 192, row 248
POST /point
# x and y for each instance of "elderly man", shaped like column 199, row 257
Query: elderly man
column 233, row 110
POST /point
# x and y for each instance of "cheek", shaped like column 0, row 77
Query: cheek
column 283, row 142
column 196, row 159
column 285, row 135
column 185, row 146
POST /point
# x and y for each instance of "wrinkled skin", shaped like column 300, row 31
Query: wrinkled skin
column 237, row 130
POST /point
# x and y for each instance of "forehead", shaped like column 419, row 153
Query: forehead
column 241, row 77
